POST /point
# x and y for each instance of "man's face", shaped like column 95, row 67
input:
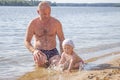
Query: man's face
column 44, row 12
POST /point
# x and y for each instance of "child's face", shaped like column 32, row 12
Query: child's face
column 68, row 49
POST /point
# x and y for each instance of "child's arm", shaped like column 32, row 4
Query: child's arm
column 73, row 61
column 70, row 65
column 62, row 59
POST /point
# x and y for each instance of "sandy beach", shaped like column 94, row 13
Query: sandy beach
column 108, row 70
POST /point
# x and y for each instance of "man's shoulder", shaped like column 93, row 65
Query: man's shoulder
column 55, row 20
column 34, row 20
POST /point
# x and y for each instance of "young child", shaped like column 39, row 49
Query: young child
column 69, row 59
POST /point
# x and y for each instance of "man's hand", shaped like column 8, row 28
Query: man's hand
column 39, row 57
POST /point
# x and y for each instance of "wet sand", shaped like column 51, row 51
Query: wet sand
column 109, row 70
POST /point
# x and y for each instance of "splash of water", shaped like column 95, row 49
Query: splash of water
column 56, row 68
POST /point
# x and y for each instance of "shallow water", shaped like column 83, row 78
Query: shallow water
column 94, row 30
column 47, row 74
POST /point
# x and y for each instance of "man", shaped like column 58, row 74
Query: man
column 44, row 28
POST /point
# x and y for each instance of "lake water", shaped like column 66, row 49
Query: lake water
column 94, row 30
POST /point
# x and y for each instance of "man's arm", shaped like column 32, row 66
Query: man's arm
column 60, row 35
column 39, row 57
column 28, row 37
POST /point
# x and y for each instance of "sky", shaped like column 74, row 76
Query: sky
column 84, row 1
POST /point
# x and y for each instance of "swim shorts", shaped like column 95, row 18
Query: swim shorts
column 50, row 53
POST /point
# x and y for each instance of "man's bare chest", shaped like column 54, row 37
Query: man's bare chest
column 47, row 30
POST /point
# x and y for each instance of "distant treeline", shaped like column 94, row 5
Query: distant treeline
column 36, row 2
column 90, row 4
column 18, row 2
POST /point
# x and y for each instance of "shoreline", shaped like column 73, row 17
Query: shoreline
column 109, row 70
